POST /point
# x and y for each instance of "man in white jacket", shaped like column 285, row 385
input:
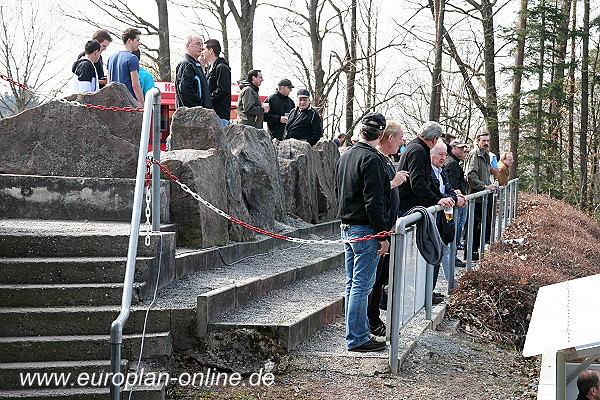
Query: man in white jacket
column 85, row 77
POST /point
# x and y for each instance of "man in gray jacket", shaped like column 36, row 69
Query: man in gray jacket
column 250, row 111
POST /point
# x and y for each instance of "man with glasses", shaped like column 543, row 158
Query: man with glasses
column 191, row 86
column 250, row 111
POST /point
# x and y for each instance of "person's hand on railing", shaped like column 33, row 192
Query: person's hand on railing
column 384, row 246
column 493, row 187
column 461, row 200
column 446, row 202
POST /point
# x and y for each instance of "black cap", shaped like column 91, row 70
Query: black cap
column 286, row 82
column 374, row 119
column 303, row 93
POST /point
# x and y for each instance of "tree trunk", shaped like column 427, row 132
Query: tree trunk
column 317, row 54
column 223, row 23
column 489, row 55
column 538, row 123
column 583, row 157
column 436, row 78
column 515, row 117
column 571, row 98
column 164, row 51
column 351, row 70
column 244, row 19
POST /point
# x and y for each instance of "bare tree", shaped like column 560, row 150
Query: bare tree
column 121, row 16
column 437, row 8
column 219, row 11
column 244, row 18
column 516, row 91
column 25, row 47
column 583, row 156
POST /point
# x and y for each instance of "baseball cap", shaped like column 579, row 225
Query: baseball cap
column 286, row 82
column 303, row 93
column 374, row 119
column 458, row 143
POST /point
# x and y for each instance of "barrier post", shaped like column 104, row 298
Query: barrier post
column 501, row 214
column 156, row 136
column 470, row 225
column 494, row 221
column 428, row 290
column 452, row 266
column 481, row 238
column 395, row 303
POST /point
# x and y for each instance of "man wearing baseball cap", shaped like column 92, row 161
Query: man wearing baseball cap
column 364, row 193
column 456, row 175
column 304, row 122
column 280, row 106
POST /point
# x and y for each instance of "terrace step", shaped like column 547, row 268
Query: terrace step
column 141, row 393
column 43, row 270
column 65, row 295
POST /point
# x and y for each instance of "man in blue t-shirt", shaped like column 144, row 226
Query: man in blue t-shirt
column 123, row 66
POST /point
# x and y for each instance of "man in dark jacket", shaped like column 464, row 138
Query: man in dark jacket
column 280, row 106
column 456, row 175
column 304, row 122
column 219, row 80
column 191, row 87
column 415, row 160
column 363, row 189
column 250, row 111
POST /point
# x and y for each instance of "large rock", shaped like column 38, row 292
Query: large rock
column 261, row 184
column 307, row 174
column 63, row 139
column 199, row 128
column 297, row 168
column 202, row 171
column 328, row 154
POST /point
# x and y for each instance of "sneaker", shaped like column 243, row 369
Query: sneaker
column 459, row 264
column 371, row 345
column 378, row 330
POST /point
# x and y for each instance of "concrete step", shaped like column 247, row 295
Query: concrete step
column 65, row 197
column 292, row 313
column 66, row 295
column 15, row 375
column 86, row 393
column 51, row 238
column 80, row 348
column 54, row 321
column 41, row 270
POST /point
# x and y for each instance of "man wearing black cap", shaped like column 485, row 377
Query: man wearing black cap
column 364, row 193
column 280, row 106
column 304, row 122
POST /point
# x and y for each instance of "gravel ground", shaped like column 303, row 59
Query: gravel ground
column 444, row 364
column 184, row 292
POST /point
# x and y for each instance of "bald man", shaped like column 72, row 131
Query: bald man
column 588, row 384
column 191, row 86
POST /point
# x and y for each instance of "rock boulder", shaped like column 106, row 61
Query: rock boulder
column 62, row 139
column 198, row 226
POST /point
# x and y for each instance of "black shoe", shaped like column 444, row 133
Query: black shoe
column 437, row 300
column 371, row 345
column 378, row 330
column 459, row 264
column 475, row 257
column 436, row 294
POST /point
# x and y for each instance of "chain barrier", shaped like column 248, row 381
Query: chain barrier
column 196, row 196
column 71, row 102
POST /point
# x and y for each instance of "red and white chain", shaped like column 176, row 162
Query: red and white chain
column 222, row 213
column 71, row 102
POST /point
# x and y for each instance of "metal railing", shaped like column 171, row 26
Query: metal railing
column 151, row 114
column 411, row 285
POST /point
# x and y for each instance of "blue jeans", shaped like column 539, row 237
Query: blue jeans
column 224, row 122
column 462, row 220
column 361, row 265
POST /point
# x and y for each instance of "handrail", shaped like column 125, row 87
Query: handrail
column 397, row 258
column 151, row 100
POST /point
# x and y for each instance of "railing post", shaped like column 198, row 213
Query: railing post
column 470, row 225
column 428, row 290
column 516, row 201
column 395, row 300
column 156, row 136
column 501, row 214
column 494, row 221
column 481, row 239
column 506, row 207
column 452, row 266
column 116, row 329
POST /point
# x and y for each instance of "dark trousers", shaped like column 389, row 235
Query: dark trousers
column 381, row 279
column 477, row 223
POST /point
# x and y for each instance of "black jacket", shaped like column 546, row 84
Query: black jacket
column 456, row 174
column 190, row 82
column 279, row 105
column 363, row 188
column 219, row 84
column 418, row 191
column 99, row 65
column 394, row 198
column 304, row 125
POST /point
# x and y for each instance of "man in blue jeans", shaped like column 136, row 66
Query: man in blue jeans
column 363, row 190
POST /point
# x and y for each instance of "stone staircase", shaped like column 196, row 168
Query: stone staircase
column 233, row 306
